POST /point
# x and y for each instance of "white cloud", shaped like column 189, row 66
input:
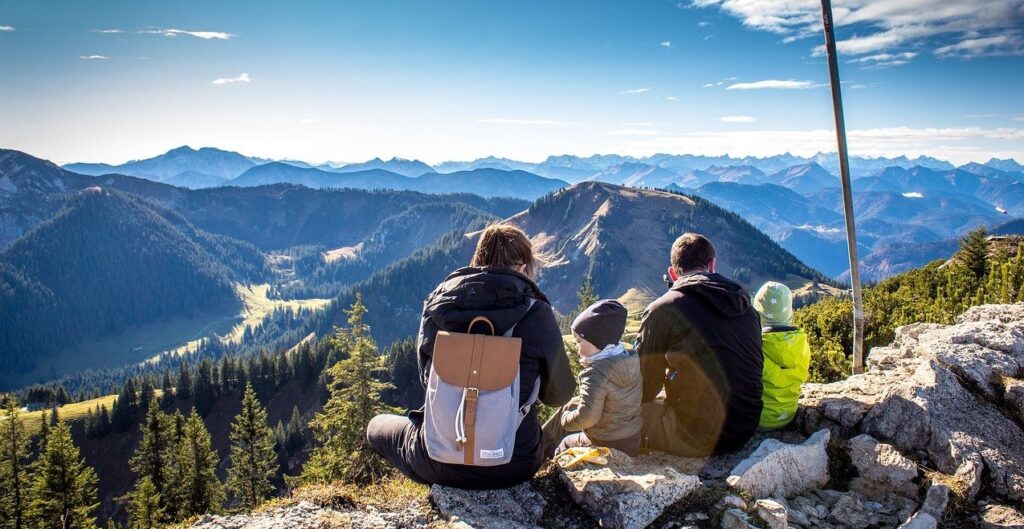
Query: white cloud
column 671, row 98
column 636, row 91
column 789, row 84
column 666, row 44
column 981, row 116
column 6, row 28
column 206, row 35
column 1019, row 118
column 108, row 31
column 709, row 85
column 885, row 60
column 703, row 24
column 913, row 194
column 738, row 119
column 538, row 122
column 633, row 132
column 1010, row 44
column 240, row 78
column 93, row 57
column 882, row 25
column 641, row 124
column 310, row 121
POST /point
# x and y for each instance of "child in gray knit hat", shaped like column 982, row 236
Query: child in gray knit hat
column 607, row 410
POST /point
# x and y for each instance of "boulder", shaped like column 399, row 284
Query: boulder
column 1001, row 517
column 851, row 512
column 519, row 507
column 773, row 513
column 882, row 469
column 780, row 469
column 920, row 520
column 627, row 493
column 938, row 396
column 936, row 500
column 736, row 519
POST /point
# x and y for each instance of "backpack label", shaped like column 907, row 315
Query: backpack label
column 492, row 454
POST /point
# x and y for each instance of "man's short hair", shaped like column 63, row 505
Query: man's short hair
column 692, row 251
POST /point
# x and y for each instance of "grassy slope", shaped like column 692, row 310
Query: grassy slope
column 177, row 335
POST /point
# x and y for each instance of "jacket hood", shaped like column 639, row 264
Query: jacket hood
column 722, row 294
column 500, row 294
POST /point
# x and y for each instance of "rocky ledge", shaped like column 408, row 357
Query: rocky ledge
column 932, row 435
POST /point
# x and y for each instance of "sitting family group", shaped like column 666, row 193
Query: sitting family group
column 709, row 368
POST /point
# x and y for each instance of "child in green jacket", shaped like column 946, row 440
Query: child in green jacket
column 787, row 356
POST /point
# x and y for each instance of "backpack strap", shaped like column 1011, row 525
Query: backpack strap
column 524, row 410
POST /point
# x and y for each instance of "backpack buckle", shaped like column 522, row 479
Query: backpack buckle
column 472, row 393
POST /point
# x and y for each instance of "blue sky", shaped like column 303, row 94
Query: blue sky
column 346, row 81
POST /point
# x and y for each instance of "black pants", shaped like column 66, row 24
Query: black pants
column 399, row 439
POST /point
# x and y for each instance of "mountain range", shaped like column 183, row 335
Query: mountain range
column 305, row 243
column 899, row 200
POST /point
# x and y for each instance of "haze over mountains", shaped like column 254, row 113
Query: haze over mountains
column 795, row 200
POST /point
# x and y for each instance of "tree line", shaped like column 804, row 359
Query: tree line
column 980, row 272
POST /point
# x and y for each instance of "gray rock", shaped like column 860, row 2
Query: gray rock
column 921, row 520
column 628, row 493
column 1013, row 395
column 940, row 402
column 772, row 512
column 829, row 496
column 520, row 507
column 731, row 500
column 799, row 517
column 882, row 468
column 736, row 519
column 850, row 512
column 969, row 473
column 1001, row 517
column 305, row 515
column 779, row 469
column 936, row 500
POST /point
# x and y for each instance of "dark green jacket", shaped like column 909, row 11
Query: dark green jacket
column 610, row 393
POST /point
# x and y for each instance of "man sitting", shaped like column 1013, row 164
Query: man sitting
column 700, row 353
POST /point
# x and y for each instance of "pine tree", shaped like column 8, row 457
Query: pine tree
column 14, row 479
column 252, row 453
column 202, row 492
column 355, row 398
column 149, row 460
column 973, row 253
column 586, row 294
column 177, row 467
column 44, row 434
column 184, row 389
column 295, row 433
column 64, row 487
column 144, row 509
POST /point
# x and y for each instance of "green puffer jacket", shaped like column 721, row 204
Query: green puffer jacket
column 609, row 401
column 787, row 358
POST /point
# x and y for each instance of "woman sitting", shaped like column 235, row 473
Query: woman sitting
column 499, row 286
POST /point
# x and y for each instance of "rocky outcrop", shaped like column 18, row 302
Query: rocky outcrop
column 940, row 398
column 780, row 469
column 937, row 395
column 627, row 493
column 519, row 507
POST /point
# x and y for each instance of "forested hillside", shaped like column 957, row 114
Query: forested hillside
column 981, row 271
column 107, row 261
column 620, row 237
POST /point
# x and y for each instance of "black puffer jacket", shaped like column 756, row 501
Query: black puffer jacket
column 504, row 295
column 701, row 341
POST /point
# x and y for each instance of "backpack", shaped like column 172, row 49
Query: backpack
column 471, row 410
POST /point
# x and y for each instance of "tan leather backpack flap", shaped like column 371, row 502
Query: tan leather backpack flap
column 488, row 363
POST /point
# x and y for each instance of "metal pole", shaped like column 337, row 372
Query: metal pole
column 844, row 173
